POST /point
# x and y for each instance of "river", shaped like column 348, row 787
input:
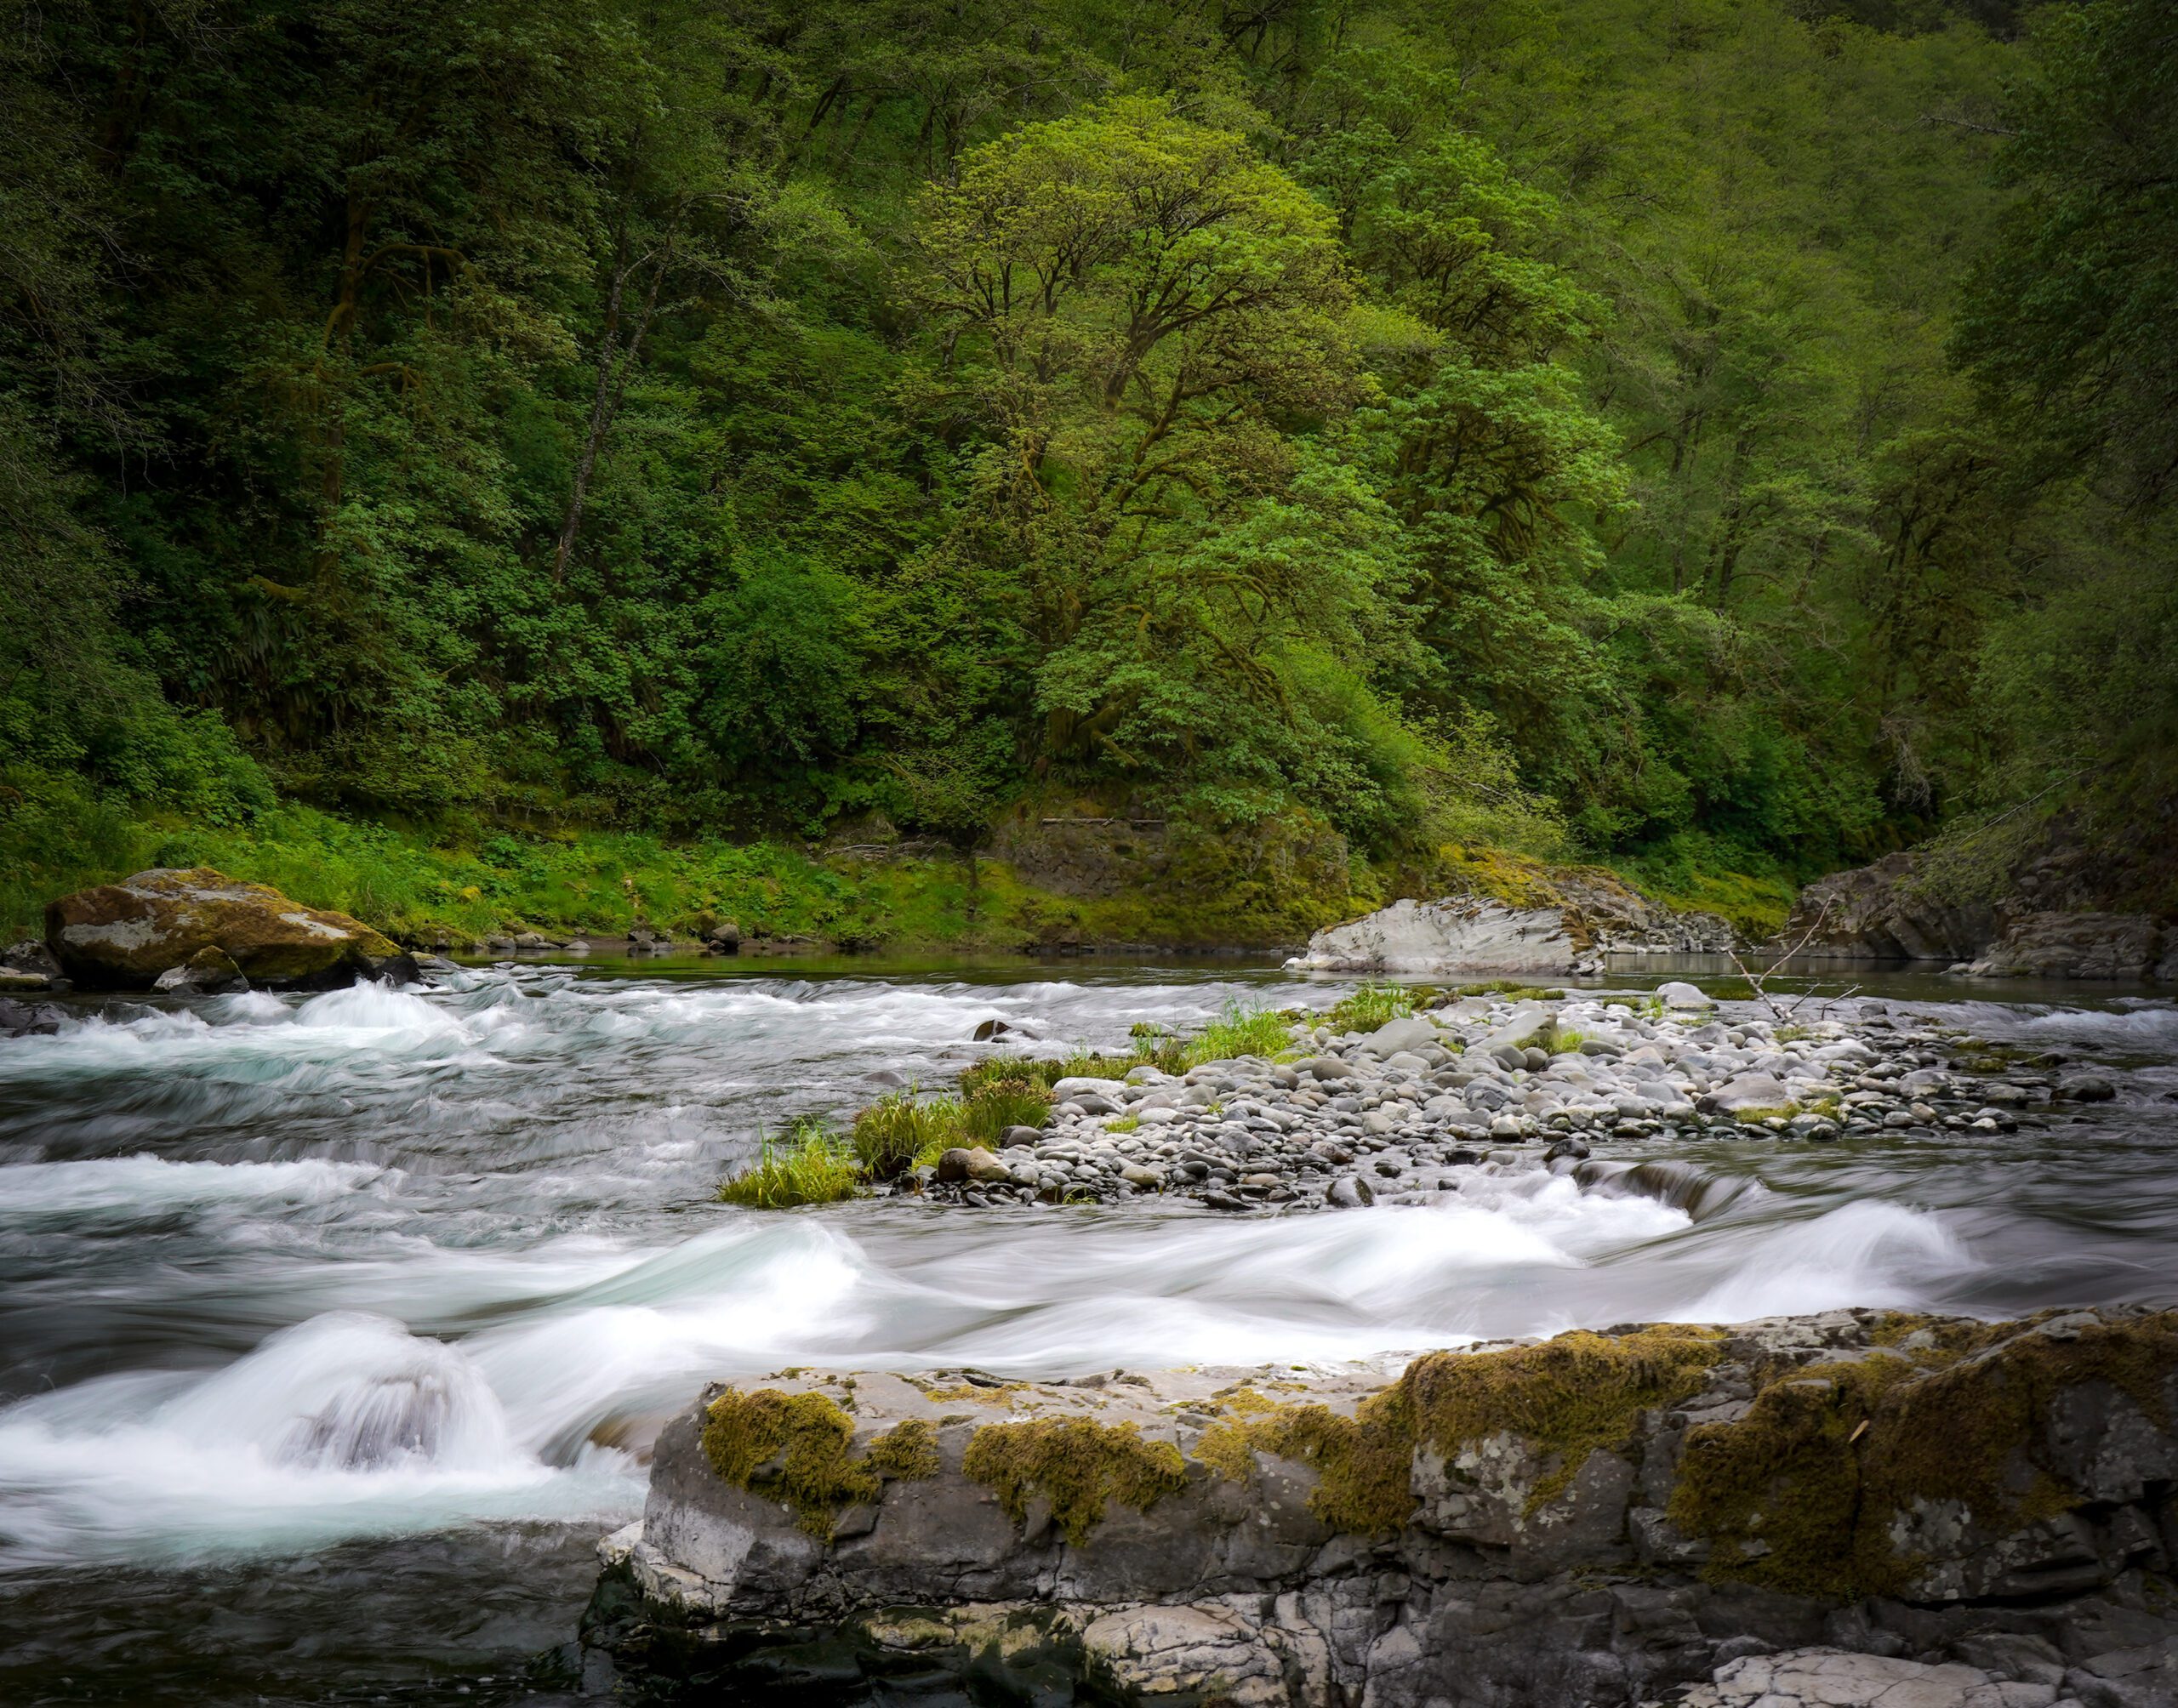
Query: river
column 332, row 1327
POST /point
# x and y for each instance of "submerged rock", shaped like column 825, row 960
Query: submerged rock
column 124, row 936
column 1598, row 1519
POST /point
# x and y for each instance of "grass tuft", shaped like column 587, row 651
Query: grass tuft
column 811, row 1167
column 1370, row 1007
column 1240, row 1032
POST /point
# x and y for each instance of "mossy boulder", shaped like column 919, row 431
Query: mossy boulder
column 123, row 936
column 1585, row 1521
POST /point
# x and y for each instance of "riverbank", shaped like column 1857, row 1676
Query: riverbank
column 1051, row 883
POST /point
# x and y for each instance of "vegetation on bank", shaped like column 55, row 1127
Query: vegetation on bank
column 1724, row 440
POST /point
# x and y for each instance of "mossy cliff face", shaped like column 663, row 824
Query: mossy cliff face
column 1578, row 1521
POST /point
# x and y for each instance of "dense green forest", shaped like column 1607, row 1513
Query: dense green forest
column 1721, row 435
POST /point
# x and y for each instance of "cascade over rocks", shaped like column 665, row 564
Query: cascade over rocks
column 1812, row 1510
column 211, row 932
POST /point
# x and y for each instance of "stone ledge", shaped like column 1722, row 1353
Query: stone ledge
column 1597, row 1519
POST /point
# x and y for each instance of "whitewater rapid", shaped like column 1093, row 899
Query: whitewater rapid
column 278, row 1274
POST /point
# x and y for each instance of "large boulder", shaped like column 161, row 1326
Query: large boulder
column 1458, row 935
column 1563, row 920
column 122, row 937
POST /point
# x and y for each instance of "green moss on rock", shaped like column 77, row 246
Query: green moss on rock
column 796, row 1448
column 1567, row 1396
column 1801, row 1493
column 1075, row 1464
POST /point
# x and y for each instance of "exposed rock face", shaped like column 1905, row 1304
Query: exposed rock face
column 1881, row 913
column 2126, row 946
column 1458, row 935
column 1596, row 1520
column 1877, row 913
column 125, row 936
column 1589, row 918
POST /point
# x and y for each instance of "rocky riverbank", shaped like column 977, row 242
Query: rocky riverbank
column 1824, row 1509
column 1478, row 1090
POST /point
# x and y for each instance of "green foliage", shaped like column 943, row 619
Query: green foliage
column 1370, row 1006
column 1239, row 1031
column 810, row 1167
column 1530, row 425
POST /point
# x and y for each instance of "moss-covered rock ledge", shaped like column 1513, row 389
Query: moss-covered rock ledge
column 1596, row 1519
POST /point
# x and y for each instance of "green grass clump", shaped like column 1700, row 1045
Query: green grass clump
column 1370, row 1006
column 812, row 1167
column 900, row 1130
column 1240, row 1032
column 1169, row 1056
column 998, row 1104
column 1566, row 1040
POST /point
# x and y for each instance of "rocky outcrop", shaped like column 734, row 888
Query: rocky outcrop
column 2107, row 946
column 199, row 929
column 1885, row 912
column 1598, row 1519
column 1878, row 912
column 1586, row 918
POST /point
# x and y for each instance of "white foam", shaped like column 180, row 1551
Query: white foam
column 149, row 1185
column 344, row 1426
column 1871, row 1254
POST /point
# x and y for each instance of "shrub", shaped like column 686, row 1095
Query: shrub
column 812, row 1167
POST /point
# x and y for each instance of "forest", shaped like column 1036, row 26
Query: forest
column 1719, row 437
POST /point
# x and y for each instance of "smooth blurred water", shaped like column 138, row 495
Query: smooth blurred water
column 334, row 1329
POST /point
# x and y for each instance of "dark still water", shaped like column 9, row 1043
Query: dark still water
column 251, row 1245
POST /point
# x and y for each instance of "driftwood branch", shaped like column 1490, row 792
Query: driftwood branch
column 1759, row 980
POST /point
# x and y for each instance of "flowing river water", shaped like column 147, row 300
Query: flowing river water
column 333, row 1328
